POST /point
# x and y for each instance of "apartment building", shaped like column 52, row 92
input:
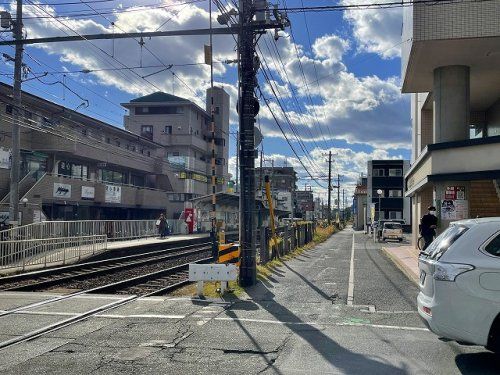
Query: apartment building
column 183, row 129
column 451, row 67
column 304, row 204
column 388, row 177
column 74, row 167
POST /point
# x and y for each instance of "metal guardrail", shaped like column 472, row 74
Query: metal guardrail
column 114, row 229
column 43, row 242
column 28, row 252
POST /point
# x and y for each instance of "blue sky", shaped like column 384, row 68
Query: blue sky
column 355, row 109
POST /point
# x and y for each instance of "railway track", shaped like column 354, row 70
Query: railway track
column 107, row 271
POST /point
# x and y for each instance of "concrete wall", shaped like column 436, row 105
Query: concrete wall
column 493, row 119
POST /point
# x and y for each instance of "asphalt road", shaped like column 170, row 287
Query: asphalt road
column 341, row 308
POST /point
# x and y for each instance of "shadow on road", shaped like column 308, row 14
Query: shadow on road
column 484, row 363
column 336, row 355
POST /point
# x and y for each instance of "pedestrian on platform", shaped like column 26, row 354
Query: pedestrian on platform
column 428, row 225
column 161, row 224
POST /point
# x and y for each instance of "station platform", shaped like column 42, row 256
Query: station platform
column 120, row 248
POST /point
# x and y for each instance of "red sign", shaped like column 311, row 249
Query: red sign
column 189, row 219
column 454, row 193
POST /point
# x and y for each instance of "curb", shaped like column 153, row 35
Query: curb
column 401, row 266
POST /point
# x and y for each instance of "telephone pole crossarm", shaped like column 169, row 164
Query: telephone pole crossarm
column 251, row 28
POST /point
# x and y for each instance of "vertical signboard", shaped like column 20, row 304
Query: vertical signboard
column 454, row 205
column 5, row 158
column 189, row 219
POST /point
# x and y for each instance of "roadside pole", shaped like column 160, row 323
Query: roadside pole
column 16, row 133
column 329, row 188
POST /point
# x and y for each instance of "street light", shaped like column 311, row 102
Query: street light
column 379, row 192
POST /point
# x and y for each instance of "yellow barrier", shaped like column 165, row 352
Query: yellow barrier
column 229, row 253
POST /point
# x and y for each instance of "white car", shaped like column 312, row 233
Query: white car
column 392, row 231
column 459, row 295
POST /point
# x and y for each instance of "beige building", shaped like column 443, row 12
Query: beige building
column 451, row 66
column 74, row 167
column 183, row 128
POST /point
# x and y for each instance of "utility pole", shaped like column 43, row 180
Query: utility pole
column 260, row 184
column 343, row 204
column 246, row 109
column 16, row 134
column 237, row 161
column 338, row 195
column 329, row 188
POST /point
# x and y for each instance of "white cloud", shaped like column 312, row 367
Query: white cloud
column 376, row 30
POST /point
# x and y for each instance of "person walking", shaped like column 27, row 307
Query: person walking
column 161, row 224
column 428, row 225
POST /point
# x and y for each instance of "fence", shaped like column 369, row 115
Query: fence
column 113, row 229
column 288, row 238
column 41, row 251
column 24, row 245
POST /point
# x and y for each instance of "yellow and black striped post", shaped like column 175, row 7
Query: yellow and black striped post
column 229, row 253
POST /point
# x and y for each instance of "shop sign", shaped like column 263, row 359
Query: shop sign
column 88, row 192
column 4, row 217
column 112, row 194
column 5, row 158
column 62, row 191
column 454, row 193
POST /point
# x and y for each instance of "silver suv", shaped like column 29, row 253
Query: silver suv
column 459, row 294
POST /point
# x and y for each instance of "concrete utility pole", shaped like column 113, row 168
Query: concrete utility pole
column 343, row 204
column 237, row 189
column 338, row 195
column 329, row 188
column 16, row 133
column 246, row 109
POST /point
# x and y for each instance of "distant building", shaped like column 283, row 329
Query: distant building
column 388, row 176
column 283, row 185
column 183, row 128
column 359, row 206
column 304, row 204
column 451, row 67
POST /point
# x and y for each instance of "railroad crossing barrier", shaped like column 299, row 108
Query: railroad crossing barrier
column 212, row 272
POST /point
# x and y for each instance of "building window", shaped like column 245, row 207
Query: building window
column 132, row 148
column 147, row 131
column 113, row 176
column 65, row 168
column 168, row 129
column 84, row 132
column 159, row 110
column 8, row 109
column 108, row 140
column 117, row 143
column 395, row 193
column 217, row 110
column 149, row 153
column 219, row 161
column 395, row 215
column 378, row 173
column 395, row 172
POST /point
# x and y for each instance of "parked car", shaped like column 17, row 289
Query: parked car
column 459, row 295
column 392, row 231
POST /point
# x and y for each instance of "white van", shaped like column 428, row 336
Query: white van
column 393, row 231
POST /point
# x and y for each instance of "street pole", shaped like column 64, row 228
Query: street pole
column 329, row 188
column 343, row 204
column 16, row 134
column 237, row 160
column 246, row 109
column 260, row 186
column 338, row 195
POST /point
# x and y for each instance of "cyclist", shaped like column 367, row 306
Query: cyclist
column 428, row 225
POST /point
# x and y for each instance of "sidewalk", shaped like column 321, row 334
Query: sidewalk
column 406, row 259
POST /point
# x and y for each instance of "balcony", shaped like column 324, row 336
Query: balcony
column 190, row 140
column 452, row 34
column 472, row 159
column 54, row 188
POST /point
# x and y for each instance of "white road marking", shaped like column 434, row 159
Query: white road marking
column 205, row 320
column 350, row 290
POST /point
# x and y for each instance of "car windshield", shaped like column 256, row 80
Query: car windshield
column 443, row 242
column 392, row 226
